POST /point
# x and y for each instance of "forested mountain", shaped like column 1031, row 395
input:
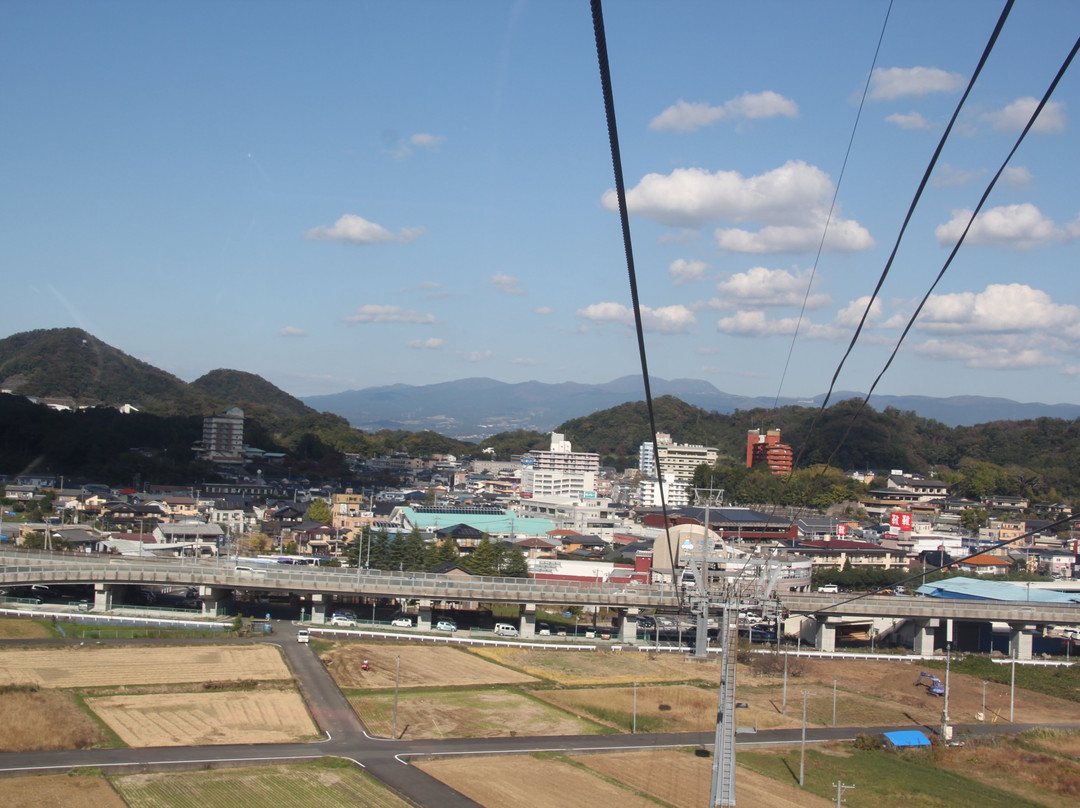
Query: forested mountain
column 70, row 363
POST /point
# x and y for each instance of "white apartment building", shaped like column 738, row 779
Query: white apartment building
column 677, row 463
column 559, row 471
column 583, row 514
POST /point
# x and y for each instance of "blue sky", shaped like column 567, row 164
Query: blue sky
column 349, row 194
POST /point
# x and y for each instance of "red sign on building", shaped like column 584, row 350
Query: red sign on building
column 900, row 520
column 841, row 530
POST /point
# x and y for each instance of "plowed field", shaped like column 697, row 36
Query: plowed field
column 94, row 666
column 195, row 719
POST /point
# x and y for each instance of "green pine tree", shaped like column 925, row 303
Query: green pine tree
column 514, row 563
column 484, row 559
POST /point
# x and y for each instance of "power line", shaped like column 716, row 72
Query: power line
column 907, row 219
column 832, row 204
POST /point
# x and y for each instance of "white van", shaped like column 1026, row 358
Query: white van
column 506, row 630
column 830, row 589
column 303, row 635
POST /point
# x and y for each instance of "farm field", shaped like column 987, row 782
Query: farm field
column 421, row 666
column 12, row 628
column 197, row 719
column 467, row 713
column 59, row 791
column 330, row 784
column 147, row 696
column 96, row 666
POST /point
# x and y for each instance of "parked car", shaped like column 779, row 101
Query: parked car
column 401, row 622
column 645, row 621
column 342, row 620
column 506, row 630
column 446, row 625
column 543, row 629
column 303, row 635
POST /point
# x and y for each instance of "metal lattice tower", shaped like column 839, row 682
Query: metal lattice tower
column 723, row 781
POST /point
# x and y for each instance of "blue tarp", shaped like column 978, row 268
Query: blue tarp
column 907, row 737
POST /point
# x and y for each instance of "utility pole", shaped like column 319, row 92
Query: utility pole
column 802, row 746
column 946, row 730
column 840, row 789
column 397, row 680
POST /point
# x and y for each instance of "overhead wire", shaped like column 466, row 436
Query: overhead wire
column 628, row 249
column 963, row 235
column 832, row 204
column 907, row 219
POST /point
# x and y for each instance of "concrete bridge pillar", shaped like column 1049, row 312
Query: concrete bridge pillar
column 213, row 600
column 825, row 637
column 423, row 616
column 103, row 596
column 318, row 609
column 527, row 627
column 1020, row 640
column 627, row 625
column 923, row 640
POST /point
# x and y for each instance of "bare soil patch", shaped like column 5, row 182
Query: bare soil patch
column 91, row 666
column 58, row 791
column 13, row 628
column 515, row 780
column 421, row 666
column 469, row 714
column 41, row 720
column 887, row 690
column 195, row 719
column 682, row 779
column 603, row 667
column 320, row 784
column 660, row 708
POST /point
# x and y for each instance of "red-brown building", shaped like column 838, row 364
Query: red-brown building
column 769, row 450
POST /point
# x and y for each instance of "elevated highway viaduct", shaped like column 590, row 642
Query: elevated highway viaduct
column 1023, row 618
column 323, row 587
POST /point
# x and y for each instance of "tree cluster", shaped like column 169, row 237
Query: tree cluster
column 409, row 552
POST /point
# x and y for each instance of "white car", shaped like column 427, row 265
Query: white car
column 446, row 625
column 342, row 620
column 401, row 622
column 303, row 635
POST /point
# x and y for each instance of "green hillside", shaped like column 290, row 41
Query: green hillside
column 70, row 363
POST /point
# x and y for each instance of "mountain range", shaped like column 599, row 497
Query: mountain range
column 72, row 364
column 471, row 409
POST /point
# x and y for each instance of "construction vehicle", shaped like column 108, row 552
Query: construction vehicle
column 933, row 686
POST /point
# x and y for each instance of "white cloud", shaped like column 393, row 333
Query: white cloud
column 792, row 201
column 523, row 360
column 544, row 310
column 690, row 197
column 292, row 331
column 1017, row 176
column 852, row 313
column 762, row 287
column 1021, row 226
column 911, row 120
column 507, row 284
column 431, row 343
column 358, row 230
column 984, row 357
column 756, row 324
column 951, row 175
column 844, row 235
column 665, row 320
column 765, row 104
column 998, row 309
column 683, row 271
column 372, row 313
column 684, row 116
column 426, row 140
column 897, row 82
column 1014, row 117
column 479, row 356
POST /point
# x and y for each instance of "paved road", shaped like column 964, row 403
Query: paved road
column 386, row 759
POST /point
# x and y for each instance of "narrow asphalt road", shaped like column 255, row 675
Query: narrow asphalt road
column 387, row 759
